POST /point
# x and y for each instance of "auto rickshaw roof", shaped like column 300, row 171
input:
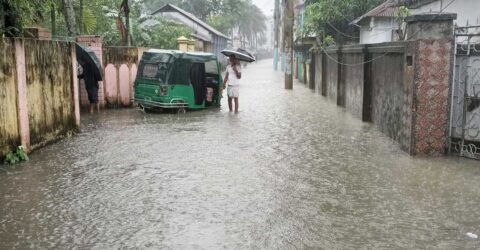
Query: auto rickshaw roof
column 177, row 54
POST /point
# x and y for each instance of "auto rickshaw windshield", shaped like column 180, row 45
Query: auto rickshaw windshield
column 155, row 66
column 211, row 67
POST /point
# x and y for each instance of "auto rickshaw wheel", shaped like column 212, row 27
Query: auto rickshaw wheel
column 181, row 111
column 141, row 108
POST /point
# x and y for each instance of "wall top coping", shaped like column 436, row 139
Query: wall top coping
column 88, row 36
column 391, row 47
column 431, row 17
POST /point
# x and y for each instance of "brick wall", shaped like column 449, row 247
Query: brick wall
column 432, row 97
column 38, row 33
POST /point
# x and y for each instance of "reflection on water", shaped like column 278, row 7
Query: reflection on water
column 290, row 171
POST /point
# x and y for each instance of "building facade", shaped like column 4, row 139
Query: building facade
column 380, row 24
column 208, row 38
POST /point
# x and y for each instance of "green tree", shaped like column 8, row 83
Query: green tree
column 221, row 23
column 66, row 18
column 402, row 13
column 251, row 25
column 16, row 14
column 332, row 17
column 163, row 36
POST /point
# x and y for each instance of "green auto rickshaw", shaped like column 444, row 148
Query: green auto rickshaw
column 169, row 79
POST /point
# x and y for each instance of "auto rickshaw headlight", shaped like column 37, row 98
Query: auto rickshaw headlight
column 163, row 90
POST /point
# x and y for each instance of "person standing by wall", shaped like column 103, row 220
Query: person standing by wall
column 91, row 79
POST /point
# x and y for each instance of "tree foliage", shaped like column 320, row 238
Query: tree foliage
column 163, row 34
column 252, row 28
column 245, row 18
column 16, row 14
column 98, row 17
column 332, row 17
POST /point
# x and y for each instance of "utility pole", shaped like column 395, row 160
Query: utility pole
column 53, row 16
column 277, row 31
column 125, row 8
column 81, row 18
column 69, row 13
column 127, row 23
column 288, row 17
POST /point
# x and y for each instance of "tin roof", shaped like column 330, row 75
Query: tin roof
column 387, row 9
column 186, row 55
column 173, row 8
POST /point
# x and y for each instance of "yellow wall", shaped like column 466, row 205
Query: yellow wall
column 9, row 126
column 49, row 90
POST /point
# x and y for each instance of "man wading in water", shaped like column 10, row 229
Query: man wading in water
column 232, row 78
column 91, row 79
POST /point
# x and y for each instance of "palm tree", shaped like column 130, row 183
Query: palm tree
column 252, row 26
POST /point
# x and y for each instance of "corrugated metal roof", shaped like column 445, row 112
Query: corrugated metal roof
column 386, row 9
column 172, row 8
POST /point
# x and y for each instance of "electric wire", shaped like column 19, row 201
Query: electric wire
column 386, row 53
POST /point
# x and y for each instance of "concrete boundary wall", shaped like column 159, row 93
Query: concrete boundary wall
column 121, row 64
column 403, row 88
column 38, row 103
column 9, row 124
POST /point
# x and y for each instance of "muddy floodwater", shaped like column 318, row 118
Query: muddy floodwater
column 290, row 171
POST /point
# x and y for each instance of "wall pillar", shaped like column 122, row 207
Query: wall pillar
column 433, row 34
column 22, row 95
column 191, row 45
column 183, row 43
column 340, row 79
column 75, row 87
column 367, row 85
column 324, row 84
column 311, row 71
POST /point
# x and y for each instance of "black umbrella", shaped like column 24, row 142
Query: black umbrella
column 86, row 56
column 240, row 54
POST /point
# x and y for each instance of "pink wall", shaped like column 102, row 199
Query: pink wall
column 119, row 81
column 111, row 86
column 133, row 75
column 120, row 69
column 124, row 85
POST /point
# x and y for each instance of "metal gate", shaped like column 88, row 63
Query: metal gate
column 465, row 116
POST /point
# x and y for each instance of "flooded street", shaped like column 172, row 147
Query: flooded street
column 291, row 170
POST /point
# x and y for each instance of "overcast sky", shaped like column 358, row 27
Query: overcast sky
column 266, row 6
